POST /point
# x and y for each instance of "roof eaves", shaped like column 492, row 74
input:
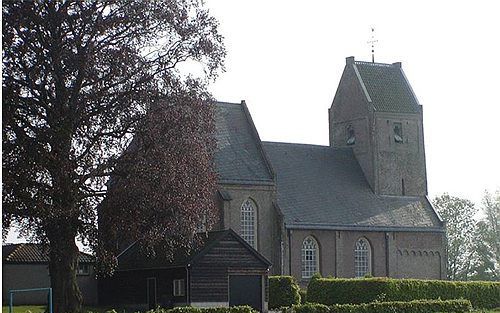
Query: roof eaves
column 150, row 268
column 266, row 182
column 321, row 226
column 440, row 219
column 278, row 209
column 126, row 249
column 225, row 196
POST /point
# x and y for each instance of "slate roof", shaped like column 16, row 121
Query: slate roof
column 33, row 253
column 134, row 258
column 387, row 87
column 321, row 186
column 239, row 157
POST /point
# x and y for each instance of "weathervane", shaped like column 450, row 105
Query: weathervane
column 372, row 42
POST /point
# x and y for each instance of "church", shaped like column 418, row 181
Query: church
column 355, row 208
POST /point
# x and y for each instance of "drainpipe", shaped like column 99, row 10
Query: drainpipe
column 387, row 254
column 289, row 252
column 188, row 286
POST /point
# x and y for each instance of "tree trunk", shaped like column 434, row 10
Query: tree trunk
column 62, row 268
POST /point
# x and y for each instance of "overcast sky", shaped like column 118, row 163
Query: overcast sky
column 285, row 58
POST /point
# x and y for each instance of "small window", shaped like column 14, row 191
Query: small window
column 351, row 136
column 83, row 269
column 398, row 132
column 179, row 287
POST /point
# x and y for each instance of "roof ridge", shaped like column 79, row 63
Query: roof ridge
column 376, row 64
column 295, row 143
column 306, row 145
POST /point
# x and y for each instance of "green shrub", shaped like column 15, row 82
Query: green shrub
column 189, row 309
column 303, row 296
column 310, row 308
column 416, row 306
column 283, row 291
column 356, row 291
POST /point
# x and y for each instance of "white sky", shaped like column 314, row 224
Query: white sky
column 285, row 58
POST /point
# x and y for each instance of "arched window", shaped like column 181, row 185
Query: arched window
column 248, row 216
column 310, row 257
column 362, row 258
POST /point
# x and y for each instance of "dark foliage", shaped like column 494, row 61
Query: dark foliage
column 80, row 78
column 234, row 309
column 355, row 291
column 283, row 291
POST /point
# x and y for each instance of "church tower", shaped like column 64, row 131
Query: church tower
column 376, row 113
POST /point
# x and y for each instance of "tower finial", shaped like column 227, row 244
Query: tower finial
column 372, row 42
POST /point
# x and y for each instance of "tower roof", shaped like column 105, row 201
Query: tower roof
column 386, row 86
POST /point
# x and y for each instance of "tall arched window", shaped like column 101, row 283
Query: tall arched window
column 362, row 258
column 248, row 217
column 310, row 257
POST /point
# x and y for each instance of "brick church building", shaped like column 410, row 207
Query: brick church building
column 356, row 207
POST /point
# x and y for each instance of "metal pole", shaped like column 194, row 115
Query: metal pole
column 50, row 300
column 10, row 301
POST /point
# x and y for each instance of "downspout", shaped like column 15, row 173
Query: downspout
column 337, row 234
column 289, row 252
column 188, row 289
column 387, row 254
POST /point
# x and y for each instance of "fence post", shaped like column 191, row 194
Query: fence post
column 10, row 302
column 50, row 300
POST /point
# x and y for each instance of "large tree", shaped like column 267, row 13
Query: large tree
column 79, row 79
column 458, row 215
column 487, row 239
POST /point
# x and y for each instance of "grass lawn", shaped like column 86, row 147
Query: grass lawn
column 41, row 309
column 25, row 308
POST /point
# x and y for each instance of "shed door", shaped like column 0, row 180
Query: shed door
column 245, row 290
column 151, row 291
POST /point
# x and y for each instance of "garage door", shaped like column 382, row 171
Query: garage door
column 245, row 290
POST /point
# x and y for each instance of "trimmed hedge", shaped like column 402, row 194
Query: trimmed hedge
column 303, row 296
column 416, row 306
column 190, row 309
column 283, row 291
column 355, row 291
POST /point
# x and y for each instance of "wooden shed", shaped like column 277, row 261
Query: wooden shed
column 225, row 271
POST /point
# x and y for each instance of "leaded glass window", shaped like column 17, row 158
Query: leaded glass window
column 362, row 258
column 248, row 214
column 310, row 257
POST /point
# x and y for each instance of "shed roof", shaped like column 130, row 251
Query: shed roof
column 321, row 186
column 133, row 258
column 33, row 253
